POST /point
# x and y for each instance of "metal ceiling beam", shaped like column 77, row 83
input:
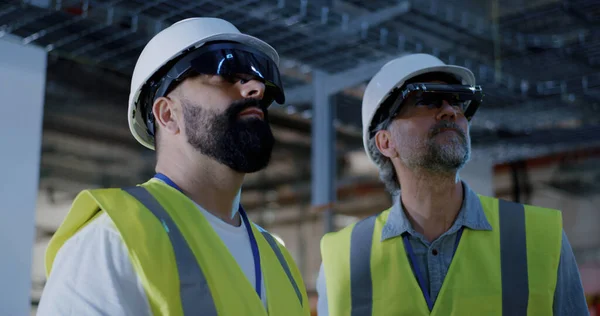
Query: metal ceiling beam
column 299, row 95
column 375, row 18
column 339, row 81
column 347, row 138
column 349, row 25
column 355, row 76
column 359, row 24
column 323, row 150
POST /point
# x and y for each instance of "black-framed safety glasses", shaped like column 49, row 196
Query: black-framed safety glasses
column 225, row 59
column 467, row 98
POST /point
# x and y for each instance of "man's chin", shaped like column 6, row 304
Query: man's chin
column 249, row 168
column 249, row 162
column 448, row 137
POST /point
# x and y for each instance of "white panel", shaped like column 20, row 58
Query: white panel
column 22, row 84
column 580, row 215
column 479, row 174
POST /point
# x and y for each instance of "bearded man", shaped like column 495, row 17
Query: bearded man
column 180, row 243
column 441, row 249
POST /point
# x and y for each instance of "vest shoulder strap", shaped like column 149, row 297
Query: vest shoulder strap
column 193, row 287
column 347, row 265
column 513, row 258
column 530, row 236
column 284, row 263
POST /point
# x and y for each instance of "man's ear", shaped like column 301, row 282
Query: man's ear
column 165, row 115
column 385, row 144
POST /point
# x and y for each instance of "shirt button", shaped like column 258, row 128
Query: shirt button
column 434, row 252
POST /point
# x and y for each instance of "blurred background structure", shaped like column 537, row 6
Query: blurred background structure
column 536, row 138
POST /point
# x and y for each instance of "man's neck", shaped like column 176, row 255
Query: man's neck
column 206, row 182
column 431, row 202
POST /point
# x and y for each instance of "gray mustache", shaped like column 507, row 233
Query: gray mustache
column 447, row 125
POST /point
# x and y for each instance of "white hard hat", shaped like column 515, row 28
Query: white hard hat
column 171, row 43
column 394, row 74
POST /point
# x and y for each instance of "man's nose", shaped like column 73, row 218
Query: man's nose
column 447, row 112
column 253, row 89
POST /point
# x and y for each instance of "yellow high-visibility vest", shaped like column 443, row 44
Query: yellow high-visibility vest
column 510, row 270
column 183, row 264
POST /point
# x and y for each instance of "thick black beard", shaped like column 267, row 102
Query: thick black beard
column 244, row 145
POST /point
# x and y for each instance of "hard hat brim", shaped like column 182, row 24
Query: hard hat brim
column 461, row 73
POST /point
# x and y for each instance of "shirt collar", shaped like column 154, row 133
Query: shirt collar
column 470, row 215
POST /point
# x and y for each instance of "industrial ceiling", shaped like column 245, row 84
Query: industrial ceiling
column 538, row 62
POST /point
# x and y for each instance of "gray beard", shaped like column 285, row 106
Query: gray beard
column 437, row 158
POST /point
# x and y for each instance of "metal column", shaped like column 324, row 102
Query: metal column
column 323, row 149
column 23, row 78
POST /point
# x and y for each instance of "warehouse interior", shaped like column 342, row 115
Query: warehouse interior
column 535, row 138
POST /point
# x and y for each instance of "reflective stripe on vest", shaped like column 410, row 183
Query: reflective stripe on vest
column 193, row 287
column 513, row 258
column 513, row 251
column 361, row 286
column 194, row 290
column 283, row 263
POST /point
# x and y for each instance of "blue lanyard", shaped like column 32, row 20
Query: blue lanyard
column 168, row 181
column 415, row 265
column 253, row 244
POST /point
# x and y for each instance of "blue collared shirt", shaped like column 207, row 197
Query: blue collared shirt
column 569, row 298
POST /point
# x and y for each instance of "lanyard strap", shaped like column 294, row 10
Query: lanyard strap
column 168, row 181
column 413, row 261
column 253, row 243
column 255, row 253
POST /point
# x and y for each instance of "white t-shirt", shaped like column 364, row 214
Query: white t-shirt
column 92, row 274
column 322, row 306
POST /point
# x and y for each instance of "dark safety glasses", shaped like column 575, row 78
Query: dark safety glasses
column 467, row 98
column 227, row 59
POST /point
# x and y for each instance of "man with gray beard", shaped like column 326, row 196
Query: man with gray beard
column 441, row 249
